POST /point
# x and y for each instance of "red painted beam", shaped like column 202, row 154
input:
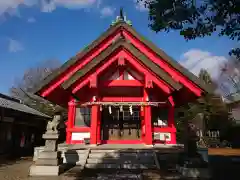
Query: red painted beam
column 85, row 60
column 98, row 71
column 121, row 61
column 121, row 99
column 146, row 72
column 79, row 129
column 137, row 43
column 164, row 129
column 164, row 65
column 170, row 99
column 132, row 60
column 133, row 141
column 116, row 83
column 93, row 81
column 148, row 82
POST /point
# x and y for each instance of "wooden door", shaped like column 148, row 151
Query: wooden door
column 121, row 125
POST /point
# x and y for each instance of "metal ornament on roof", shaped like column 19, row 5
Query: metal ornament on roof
column 121, row 17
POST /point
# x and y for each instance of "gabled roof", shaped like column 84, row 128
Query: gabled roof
column 111, row 30
column 7, row 102
column 122, row 43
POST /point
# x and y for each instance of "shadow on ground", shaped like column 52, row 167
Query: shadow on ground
column 224, row 167
column 167, row 163
column 220, row 167
column 10, row 159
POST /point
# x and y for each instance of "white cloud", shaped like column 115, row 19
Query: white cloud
column 31, row 20
column 11, row 6
column 140, row 6
column 48, row 5
column 196, row 59
column 75, row 4
column 15, row 46
column 51, row 5
column 107, row 11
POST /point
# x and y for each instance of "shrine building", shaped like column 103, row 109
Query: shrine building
column 121, row 89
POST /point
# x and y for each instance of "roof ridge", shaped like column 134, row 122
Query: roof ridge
column 110, row 50
column 120, row 26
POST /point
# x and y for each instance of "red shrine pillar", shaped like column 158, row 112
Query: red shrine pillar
column 99, row 126
column 70, row 122
column 148, row 125
column 171, row 122
column 147, row 120
column 94, row 124
column 143, row 128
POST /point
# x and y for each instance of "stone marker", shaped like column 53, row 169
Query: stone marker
column 49, row 160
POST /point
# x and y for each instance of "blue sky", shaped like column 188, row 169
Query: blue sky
column 32, row 31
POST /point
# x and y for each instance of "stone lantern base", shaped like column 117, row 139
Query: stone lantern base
column 49, row 160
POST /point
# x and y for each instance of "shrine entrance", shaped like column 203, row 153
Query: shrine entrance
column 120, row 123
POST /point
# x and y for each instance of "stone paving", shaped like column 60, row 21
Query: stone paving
column 18, row 170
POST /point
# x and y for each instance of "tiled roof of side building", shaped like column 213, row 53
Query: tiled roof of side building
column 7, row 102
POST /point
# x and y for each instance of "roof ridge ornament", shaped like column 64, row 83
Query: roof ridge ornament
column 121, row 18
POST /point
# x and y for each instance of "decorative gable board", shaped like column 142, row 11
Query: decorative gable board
column 135, row 74
column 115, row 76
column 126, row 75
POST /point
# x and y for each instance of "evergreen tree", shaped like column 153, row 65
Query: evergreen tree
column 214, row 112
column 195, row 18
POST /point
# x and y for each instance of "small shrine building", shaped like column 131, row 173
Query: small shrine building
column 121, row 89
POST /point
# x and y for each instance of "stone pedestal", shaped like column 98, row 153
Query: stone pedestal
column 49, row 160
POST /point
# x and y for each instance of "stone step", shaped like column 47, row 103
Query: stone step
column 121, row 160
column 79, row 156
column 125, row 152
column 74, row 160
column 119, row 155
column 121, row 150
column 102, row 166
column 138, row 166
column 120, row 166
column 75, row 151
column 121, row 176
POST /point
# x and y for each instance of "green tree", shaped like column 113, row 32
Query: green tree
column 24, row 86
column 196, row 18
column 215, row 115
